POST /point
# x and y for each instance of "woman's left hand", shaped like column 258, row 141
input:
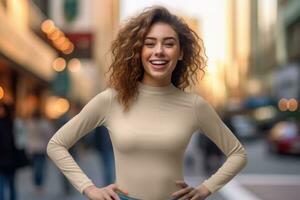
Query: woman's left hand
column 191, row 193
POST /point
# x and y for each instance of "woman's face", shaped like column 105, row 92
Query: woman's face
column 160, row 53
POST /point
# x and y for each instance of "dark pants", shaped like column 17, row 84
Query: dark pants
column 125, row 197
column 7, row 182
column 39, row 165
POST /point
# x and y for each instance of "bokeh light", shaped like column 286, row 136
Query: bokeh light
column 56, row 107
column 59, row 64
column 283, row 104
column 74, row 65
column 1, row 93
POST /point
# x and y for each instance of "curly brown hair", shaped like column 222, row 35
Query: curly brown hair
column 126, row 64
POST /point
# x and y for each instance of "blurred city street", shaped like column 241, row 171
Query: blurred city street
column 54, row 58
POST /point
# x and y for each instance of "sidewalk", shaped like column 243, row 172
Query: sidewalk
column 272, row 187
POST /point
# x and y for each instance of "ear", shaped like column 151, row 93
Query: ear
column 181, row 55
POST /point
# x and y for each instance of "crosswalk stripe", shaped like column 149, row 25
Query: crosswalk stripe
column 269, row 179
column 234, row 191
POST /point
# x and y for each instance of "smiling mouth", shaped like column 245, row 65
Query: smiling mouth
column 158, row 64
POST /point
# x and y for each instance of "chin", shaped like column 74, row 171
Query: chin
column 161, row 78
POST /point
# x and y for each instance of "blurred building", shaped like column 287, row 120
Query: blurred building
column 25, row 58
column 251, row 42
column 91, row 26
column 289, row 23
column 287, row 74
column 239, row 64
column 275, row 49
column 229, row 72
column 275, row 55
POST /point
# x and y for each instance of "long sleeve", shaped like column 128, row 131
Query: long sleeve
column 92, row 115
column 212, row 126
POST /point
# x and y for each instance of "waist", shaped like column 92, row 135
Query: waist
column 147, row 186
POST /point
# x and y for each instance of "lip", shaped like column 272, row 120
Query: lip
column 158, row 67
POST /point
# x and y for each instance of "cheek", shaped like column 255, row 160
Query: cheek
column 145, row 53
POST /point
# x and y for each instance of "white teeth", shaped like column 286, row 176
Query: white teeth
column 158, row 62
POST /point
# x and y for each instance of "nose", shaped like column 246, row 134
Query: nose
column 159, row 51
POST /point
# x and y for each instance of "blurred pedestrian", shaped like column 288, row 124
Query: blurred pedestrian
column 7, row 154
column 212, row 155
column 20, row 132
column 149, row 116
column 40, row 131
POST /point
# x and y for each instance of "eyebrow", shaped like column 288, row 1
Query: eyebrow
column 166, row 38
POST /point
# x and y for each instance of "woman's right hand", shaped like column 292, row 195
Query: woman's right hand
column 105, row 193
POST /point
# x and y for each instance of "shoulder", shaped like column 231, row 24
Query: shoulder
column 195, row 98
column 99, row 105
column 201, row 105
column 182, row 94
column 105, row 95
column 199, row 100
column 103, row 98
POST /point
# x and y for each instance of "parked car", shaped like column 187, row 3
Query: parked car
column 284, row 138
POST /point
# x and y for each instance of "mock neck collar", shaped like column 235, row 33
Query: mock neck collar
column 159, row 90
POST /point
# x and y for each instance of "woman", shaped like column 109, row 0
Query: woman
column 149, row 117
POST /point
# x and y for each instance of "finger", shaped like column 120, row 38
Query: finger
column 188, row 195
column 196, row 197
column 114, row 195
column 182, row 192
column 106, row 196
column 115, row 187
column 181, row 183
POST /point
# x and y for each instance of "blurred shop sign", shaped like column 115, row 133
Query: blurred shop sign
column 70, row 10
column 287, row 81
column 83, row 44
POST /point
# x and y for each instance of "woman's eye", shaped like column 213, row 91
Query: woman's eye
column 169, row 44
column 149, row 44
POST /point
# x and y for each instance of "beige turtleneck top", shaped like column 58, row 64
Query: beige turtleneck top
column 149, row 140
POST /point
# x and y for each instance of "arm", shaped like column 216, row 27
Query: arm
column 212, row 126
column 92, row 115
